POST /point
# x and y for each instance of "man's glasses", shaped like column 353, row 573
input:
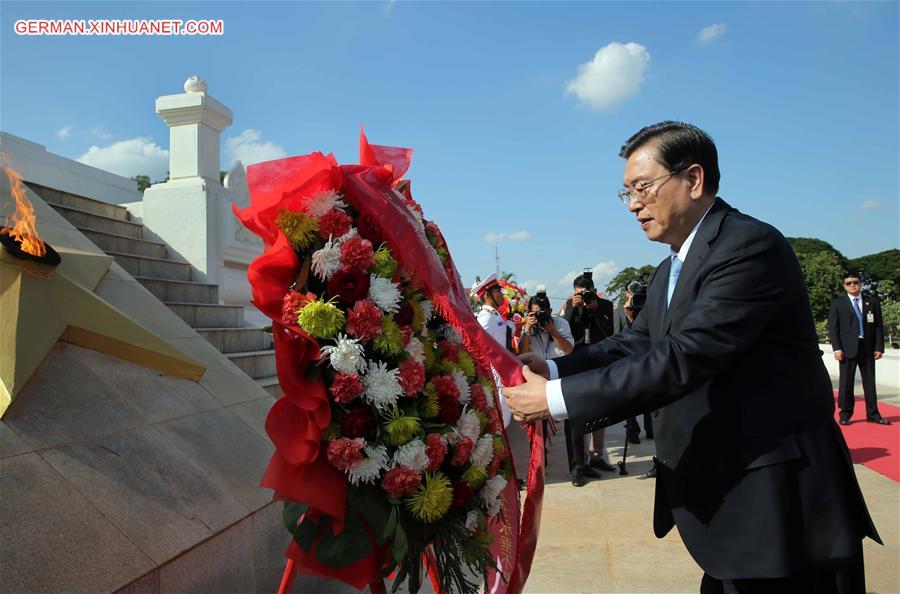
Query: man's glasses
column 848, row 283
column 639, row 192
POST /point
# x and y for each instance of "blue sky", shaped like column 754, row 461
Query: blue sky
column 801, row 98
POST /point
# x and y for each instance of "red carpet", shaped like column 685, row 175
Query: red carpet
column 872, row 445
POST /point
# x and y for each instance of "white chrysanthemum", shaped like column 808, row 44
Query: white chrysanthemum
column 327, row 261
column 324, row 202
column 413, row 455
column 370, row 468
column 346, row 356
column 416, row 350
column 384, row 293
column 483, row 452
column 349, row 234
column 472, row 521
column 427, row 310
column 489, row 496
column 469, row 425
column 382, row 385
column 462, row 384
column 451, row 335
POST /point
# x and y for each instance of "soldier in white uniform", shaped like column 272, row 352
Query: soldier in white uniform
column 490, row 293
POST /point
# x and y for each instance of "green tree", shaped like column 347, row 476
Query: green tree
column 890, row 315
column 142, row 181
column 806, row 246
column 615, row 289
column 878, row 268
column 823, row 274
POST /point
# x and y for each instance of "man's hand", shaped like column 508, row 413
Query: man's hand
column 878, row 355
column 839, row 355
column 528, row 402
column 577, row 301
column 530, row 320
column 536, row 364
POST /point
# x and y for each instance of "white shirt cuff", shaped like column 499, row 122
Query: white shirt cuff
column 555, row 401
column 554, row 371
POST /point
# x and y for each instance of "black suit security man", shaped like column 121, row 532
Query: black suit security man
column 857, row 338
column 752, row 467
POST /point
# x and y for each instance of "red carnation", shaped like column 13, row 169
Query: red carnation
column 357, row 253
column 364, row 320
column 436, row 450
column 412, row 377
column 369, row 229
column 349, row 284
column 293, row 302
column 449, row 410
column 462, row 493
column 359, row 422
column 462, row 452
column 450, row 351
column 407, row 333
column 344, row 453
column 401, row 481
column 334, row 223
column 404, row 317
column 494, row 466
column 495, row 423
column 346, row 387
column 445, row 386
column 479, row 398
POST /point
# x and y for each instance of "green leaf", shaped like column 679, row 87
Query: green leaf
column 377, row 518
column 291, row 515
column 391, row 523
column 399, row 547
column 307, row 531
column 345, row 549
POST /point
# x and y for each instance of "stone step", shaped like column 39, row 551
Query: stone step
column 113, row 242
column 270, row 385
column 88, row 220
column 256, row 364
column 207, row 315
column 178, row 291
column 236, row 340
column 153, row 267
column 98, row 207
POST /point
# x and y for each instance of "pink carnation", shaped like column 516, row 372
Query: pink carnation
column 412, row 377
column 364, row 320
column 462, row 452
column 334, row 223
column 401, row 481
column 357, row 254
column 436, row 450
column 293, row 302
column 346, row 387
column 344, row 453
column 446, row 386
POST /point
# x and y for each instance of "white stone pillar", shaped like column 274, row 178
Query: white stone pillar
column 185, row 211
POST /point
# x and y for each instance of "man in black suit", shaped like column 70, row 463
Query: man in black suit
column 752, row 467
column 857, row 337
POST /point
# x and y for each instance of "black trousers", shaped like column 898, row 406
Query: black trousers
column 865, row 360
column 632, row 427
column 574, row 449
column 834, row 576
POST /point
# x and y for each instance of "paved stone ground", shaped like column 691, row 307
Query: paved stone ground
column 598, row 538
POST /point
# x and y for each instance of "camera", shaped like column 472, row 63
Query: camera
column 543, row 316
column 638, row 291
column 588, row 297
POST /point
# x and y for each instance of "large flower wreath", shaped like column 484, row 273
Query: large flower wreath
column 390, row 448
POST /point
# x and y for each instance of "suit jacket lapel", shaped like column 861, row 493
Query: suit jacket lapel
column 690, row 269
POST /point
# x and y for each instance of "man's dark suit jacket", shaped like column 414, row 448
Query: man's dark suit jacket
column 753, row 468
column 600, row 319
column 844, row 330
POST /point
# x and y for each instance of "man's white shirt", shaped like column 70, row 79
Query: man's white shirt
column 556, row 404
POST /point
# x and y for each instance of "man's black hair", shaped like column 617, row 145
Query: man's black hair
column 679, row 145
column 583, row 282
column 541, row 301
column 852, row 274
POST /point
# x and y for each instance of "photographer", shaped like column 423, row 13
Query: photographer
column 544, row 334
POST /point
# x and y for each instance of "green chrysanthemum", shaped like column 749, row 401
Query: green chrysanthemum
column 418, row 319
column 483, row 421
column 432, row 501
column 400, row 429
column 499, row 446
column 474, row 476
column 467, row 365
column 321, row 319
column 488, row 386
column 432, row 365
column 429, row 404
column 300, row 229
column 444, row 255
column 390, row 341
column 385, row 264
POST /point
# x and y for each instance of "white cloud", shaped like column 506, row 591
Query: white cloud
column 64, row 132
column 498, row 237
column 137, row 156
column 99, row 132
column 712, row 32
column 603, row 273
column 614, row 74
column 870, row 204
column 532, row 284
column 248, row 148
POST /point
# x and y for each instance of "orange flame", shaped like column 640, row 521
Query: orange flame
column 23, row 220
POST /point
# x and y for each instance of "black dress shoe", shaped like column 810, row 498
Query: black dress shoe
column 632, row 438
column 648, row 435
column 578, row 481
column 845, row 421
column 879, row 420
column 651, row 473
column 601, row 464
column 589, row 471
